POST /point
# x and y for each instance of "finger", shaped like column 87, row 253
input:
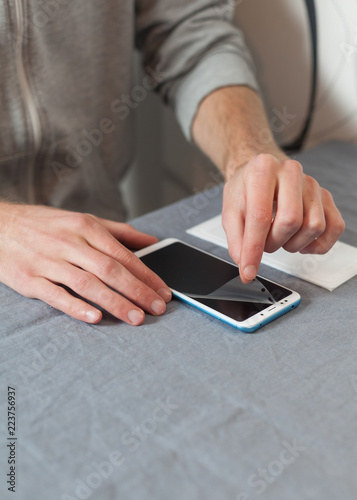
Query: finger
column 99, row 239
column 60, row 299
column 94, row 287
column 335, row 227
column 137, row 269
column 313, row 223
column 233, row 223
column 289, row 206
column 90, row 288
column 128, row 235
column 260, row 189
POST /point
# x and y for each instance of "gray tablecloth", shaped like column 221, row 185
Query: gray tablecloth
column 186, row 407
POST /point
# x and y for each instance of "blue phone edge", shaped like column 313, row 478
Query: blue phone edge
column 251, row 329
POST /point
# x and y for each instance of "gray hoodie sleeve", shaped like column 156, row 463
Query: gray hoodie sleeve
column 195, row 49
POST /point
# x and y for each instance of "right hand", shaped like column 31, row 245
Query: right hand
column 306, row 220
column 42, row 248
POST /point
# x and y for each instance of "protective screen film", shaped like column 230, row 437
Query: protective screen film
column 212, row 282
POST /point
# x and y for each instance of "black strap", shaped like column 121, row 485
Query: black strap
column 299, row 142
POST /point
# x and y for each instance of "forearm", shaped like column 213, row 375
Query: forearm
column 231, row 127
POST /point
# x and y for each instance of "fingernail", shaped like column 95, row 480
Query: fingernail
column 93, row 316
column 158, row 306
column 250, row 272
column 135, row 316
column 165, row 293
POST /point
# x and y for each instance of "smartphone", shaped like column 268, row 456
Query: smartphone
column 213, row 285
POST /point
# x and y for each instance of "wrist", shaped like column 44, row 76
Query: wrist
column 237, row 160
column 231, row 128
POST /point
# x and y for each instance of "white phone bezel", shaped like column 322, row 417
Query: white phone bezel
column 251, row 324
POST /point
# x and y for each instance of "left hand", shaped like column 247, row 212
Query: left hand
column 43, row 248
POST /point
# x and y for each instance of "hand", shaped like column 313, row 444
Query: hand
column 42, row 248
column 306, row 219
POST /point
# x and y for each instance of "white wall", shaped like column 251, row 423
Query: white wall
column 278, row 35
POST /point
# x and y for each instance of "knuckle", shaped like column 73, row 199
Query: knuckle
column 140, row 293
column 327, row 196
column 255, row 249
column 230, row 220
column 81, row 221
column 322, row 248
column 107, row 298
column 106, row 267
column 81, row 282
column 51, row 295
column 312, row 183
column 124, row 228
column 271, row 247
column 265, row 159
column 262, row 216
column 75, row 310
column 118, row 306
column 124, row 256
column 149, row 277
column 339, row 226
column 74, row 307
column 316, row 227
column 262, row 164
column 295, row 166
column 291, row 223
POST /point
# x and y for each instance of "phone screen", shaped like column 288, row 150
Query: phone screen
column 184, row 268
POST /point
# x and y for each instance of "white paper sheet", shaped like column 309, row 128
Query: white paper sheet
column 328, row 271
